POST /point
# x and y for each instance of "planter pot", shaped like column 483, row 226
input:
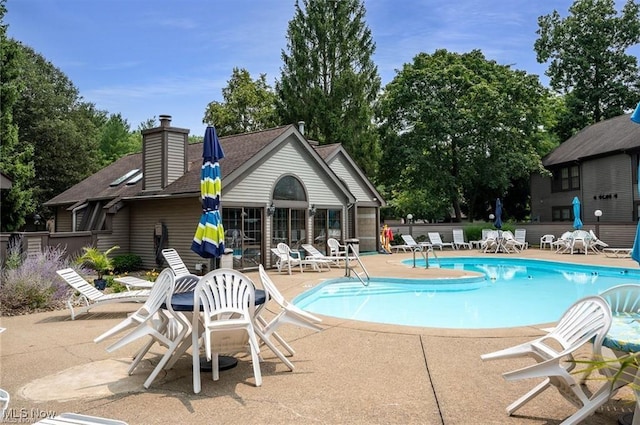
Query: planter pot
column 100, row 284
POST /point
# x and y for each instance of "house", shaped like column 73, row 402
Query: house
column 276, row 187
column 599, row 165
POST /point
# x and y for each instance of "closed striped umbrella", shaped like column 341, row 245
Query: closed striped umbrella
column 208, row 241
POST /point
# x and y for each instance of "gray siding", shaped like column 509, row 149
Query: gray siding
column 152, row 176
column 258, row 185
column 343, row 169
column 63, row 220
column 176, row 157
column 181, row 216
column 608, row 186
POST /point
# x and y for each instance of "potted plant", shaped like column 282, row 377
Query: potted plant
column 99, row 262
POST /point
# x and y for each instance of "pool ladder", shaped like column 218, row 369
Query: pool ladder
column 348, row 267
column 424, row 251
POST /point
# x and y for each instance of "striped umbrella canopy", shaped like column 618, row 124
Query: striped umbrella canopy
column 208, row 241
column 635, row 252
column 577, row 223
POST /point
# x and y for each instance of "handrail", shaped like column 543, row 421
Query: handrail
column 349, row 268
column 424, row 251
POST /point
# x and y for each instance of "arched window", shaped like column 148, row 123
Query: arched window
column 289, row 188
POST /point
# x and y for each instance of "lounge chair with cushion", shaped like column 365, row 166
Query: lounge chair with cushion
column 87, row 293
column 587, row 320
column 436, row 241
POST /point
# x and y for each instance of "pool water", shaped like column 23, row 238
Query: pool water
column 511, row 292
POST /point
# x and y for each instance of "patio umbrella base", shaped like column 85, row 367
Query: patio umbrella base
column 626, row 419
column 224, row 363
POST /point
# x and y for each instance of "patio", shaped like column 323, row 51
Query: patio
column 350, row 373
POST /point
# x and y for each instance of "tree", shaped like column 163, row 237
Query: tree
column 116, row 139
column 458, row 129
column 52, row 120
column 16, row 159
column 328, row 78
column 588, row 57
column 248, row 105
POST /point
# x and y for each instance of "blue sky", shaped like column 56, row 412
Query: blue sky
column 145, row 58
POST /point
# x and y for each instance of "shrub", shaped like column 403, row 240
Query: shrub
column 32, row 283
column 126, row 263
column 97, row 260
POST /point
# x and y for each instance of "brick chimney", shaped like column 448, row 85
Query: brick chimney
column 164, row 154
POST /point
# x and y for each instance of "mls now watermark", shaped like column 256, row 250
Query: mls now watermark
column 27, row 416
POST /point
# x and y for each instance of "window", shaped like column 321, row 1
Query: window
column 326, row 224
column 289, row 189
column 562, row 213
column 566, row 178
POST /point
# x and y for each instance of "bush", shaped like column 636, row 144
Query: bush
column 31, row 283
column 126, row 263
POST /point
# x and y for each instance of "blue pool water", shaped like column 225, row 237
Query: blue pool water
column 511, row 292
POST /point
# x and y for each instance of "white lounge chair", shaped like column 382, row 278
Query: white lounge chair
column 458, row 239
column 596, row 244
column 87, row 293
column 415, row 246
column 563, row 243
column 521, row 237
column 479, row 243
column 5, row 398
column 314, row 254
column 78, row 419
column 287, row 314
column 163, row 326
column 491, row 242
column 436, row 241
column 586, row 320
column 510, row 243
column 175, row 262
column 227, row 298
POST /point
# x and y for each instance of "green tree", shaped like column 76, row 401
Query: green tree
column 16, row 159
column 116, row 139
column 248, row 105
column 328, row 78
column 458, row 129
column 589, row 63
column 52, row 120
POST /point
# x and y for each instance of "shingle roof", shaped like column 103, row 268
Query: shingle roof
column 614, row 135
column 237, row 148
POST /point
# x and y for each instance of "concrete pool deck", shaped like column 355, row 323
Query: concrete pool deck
column 350, row 373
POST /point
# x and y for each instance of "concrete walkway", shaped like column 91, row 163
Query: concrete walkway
column 350, row 373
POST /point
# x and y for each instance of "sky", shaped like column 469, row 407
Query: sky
column 146, row 58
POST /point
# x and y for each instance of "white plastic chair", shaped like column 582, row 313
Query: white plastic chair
column 167, row 328
column 546, row 241
column 521, row 237
column 336, row 249
column 227, row 298
column 458, row 239
column 586, row 320
column 78, row 419
column 4, row 402
column 288, row 314
column 175, row 262
column 436, row 241
column 288, row 258
column 92, row 297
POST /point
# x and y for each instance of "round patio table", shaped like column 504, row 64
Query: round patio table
column 183, row 302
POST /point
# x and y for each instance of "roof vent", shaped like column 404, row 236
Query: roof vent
column 301, row 127
column 165, row 120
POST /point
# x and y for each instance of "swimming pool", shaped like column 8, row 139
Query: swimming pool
column 511, row 292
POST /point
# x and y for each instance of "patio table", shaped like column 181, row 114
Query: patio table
column 624, row 338
column 183, row 303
